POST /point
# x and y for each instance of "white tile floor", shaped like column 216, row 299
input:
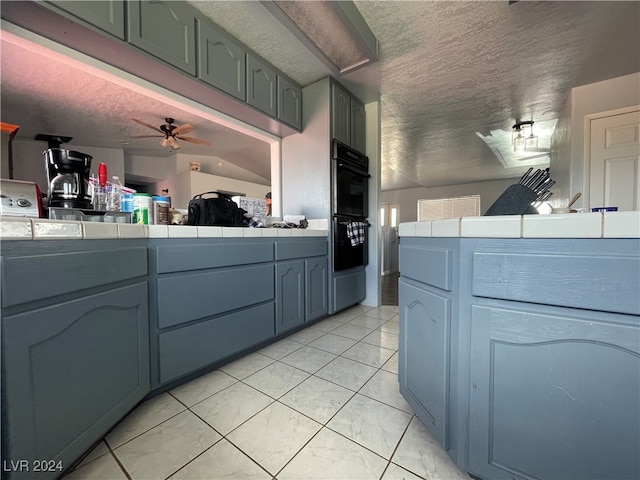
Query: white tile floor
column 322, row 403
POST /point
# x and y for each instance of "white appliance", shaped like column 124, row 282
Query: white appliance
column 20, row 199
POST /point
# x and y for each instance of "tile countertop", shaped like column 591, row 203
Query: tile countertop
column 22, row 228
column 567, row 225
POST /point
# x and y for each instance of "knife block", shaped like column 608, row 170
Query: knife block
column 515, row 200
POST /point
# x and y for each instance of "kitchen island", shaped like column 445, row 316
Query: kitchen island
column 520, row 342
column 98, row 316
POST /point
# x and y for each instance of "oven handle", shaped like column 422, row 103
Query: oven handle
column 354, row 170
column 345, row 220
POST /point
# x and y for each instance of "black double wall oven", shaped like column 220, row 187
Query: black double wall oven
column 350, row 187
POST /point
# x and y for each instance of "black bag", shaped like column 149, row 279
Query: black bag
column 221, row 211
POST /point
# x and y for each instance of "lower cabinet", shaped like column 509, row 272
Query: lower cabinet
column 212, row 340
column 71, row 371
column 554, row 394
column 517, row 378
column 424, row 360
column 302, row 292
column 348, row 288
column 289, row 295
column 316, row 279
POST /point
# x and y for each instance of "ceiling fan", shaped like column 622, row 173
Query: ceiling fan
column 171, row 133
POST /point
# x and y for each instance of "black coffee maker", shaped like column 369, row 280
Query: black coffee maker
column 67, row 173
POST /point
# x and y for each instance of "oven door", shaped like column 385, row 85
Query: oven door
column 351, row 190
column 347, row 253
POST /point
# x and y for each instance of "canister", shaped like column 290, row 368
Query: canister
column 142, row 208
column 160, row 210
column 126, row 204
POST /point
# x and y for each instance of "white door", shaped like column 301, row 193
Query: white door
column 615, row 162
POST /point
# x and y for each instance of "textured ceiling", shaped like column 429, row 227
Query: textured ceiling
column 449, row 73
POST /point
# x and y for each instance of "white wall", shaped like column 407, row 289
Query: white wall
column 408, row 198
column 29, row 165
column 188, row 184
column 373, row 269
column 568, row 142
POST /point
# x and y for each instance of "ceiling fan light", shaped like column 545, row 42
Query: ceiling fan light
column 164, row 142
column 173, row 143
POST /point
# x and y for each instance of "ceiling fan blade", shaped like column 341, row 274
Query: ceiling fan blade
column 147, row 125
column 146, row 136
column 194, row 140
column 186, row 128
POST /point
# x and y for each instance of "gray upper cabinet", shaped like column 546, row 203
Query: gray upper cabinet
column 261, row 85
column 357, row 125
column 107, row 15
column 289, row 102
column 340, row 114
column 221, row 61
column 166, row 30
column 347, row 118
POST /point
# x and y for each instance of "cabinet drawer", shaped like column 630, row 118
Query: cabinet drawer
column 432, row 266
column 40, row 270
column 188, row 349
column 188, row 297
column 182, row 256
column 288, row 249
column 583, row 281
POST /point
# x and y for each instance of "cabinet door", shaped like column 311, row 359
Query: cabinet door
column 357, row 126
column 424, row 356
column 555, row 394
column 316, row 288
column 289, row 102
column 71, row 371
column 341, row 114
column 261, row 86
column 107, row 15
column 166, row 30
column 222, row 61
column 289, row 295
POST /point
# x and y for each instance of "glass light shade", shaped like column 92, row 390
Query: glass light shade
column 531, row 142
column 518, row 142
column 173, row 144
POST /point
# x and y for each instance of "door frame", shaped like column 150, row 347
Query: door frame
column 586, row 165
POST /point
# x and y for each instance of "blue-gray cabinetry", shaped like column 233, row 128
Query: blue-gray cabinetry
column 289, row 102
column 426, row 300
column 347, row 118
column 209, row 299
column 544, row 353
column 173, row 45
column 290, row 295
column 554, row 393
column 222, row 61
column 262, row 86
column 107, row 15
column 301, row 282
column 75, row 351
column 166, row 30
column 316, row 282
